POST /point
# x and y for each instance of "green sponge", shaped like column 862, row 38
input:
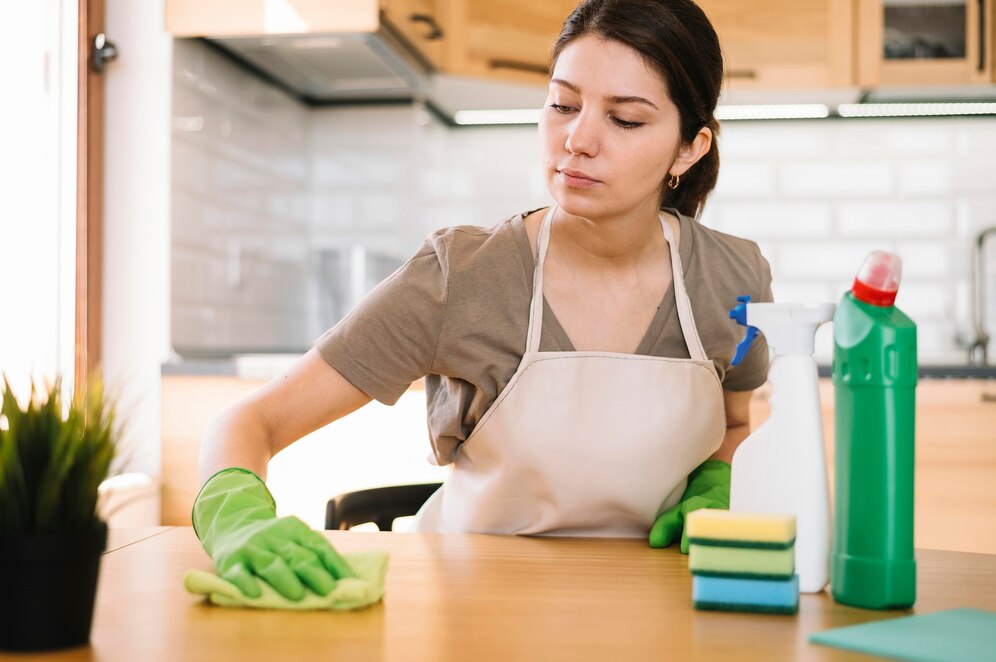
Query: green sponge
column 741, row 561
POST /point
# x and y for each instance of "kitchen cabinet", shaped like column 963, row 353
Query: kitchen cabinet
column 219, row 18
column 505, row 39
column 925, row 42
column 784, row 43
column 424, row 24
column 767, row 44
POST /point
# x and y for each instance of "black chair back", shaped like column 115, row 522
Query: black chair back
column 380, row 505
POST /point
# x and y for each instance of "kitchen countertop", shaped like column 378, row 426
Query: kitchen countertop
column 487, row 598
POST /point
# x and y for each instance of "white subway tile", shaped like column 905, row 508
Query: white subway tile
column 895, row 218
column 934, row 177
column 923, row 300
column 745, row 179
column 927, row 136
column 925, row 259
column 750, row 140
column 821, row 259
column 828, row 178
column 773, row 219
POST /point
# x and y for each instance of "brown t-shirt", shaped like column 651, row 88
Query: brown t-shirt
column 456, row 313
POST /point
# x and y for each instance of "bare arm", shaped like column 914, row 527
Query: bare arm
column 309, row 395
column 737, row 405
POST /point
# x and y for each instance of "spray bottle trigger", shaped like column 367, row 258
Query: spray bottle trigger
column 739, row 313
column 744, row 345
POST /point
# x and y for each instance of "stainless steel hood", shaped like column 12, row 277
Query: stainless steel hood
column 333, row 67
column 329, row 68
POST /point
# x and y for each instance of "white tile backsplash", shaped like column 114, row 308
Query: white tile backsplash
column 252, row 166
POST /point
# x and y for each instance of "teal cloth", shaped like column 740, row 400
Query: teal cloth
column 357, row 592
column 955, row 635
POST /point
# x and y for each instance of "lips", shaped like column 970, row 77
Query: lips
column 577, row 178
column 578, row 174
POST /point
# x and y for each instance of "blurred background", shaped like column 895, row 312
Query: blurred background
column 225, row 179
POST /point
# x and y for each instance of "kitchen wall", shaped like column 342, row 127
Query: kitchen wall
column 257, row 177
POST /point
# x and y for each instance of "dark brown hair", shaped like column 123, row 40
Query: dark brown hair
column 677, row 41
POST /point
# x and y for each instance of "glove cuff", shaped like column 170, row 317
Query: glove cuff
column 216, row 491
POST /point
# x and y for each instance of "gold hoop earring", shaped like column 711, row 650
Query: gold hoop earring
column 673, row 181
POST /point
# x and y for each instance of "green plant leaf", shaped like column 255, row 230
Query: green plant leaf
column 53, row 459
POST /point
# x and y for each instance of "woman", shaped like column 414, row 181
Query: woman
column 576, row 357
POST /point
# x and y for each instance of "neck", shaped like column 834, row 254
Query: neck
column 618, row 242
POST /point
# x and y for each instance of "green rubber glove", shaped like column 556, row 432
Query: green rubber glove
column 708, row 487
column 236, row 520
column 349, row 593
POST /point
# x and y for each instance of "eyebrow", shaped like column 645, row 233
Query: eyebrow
column 613, row 99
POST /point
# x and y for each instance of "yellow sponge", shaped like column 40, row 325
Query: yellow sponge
column 723, row 527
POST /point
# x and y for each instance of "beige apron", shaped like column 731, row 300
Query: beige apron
column 584, row 443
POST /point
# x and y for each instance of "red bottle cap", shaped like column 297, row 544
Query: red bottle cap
column 878, row 279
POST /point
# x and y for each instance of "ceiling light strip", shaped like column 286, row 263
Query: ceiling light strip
column 915, row 109
column 480, row 117
column 764, row 112
column 773, row 111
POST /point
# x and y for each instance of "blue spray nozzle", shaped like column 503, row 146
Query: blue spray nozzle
column 739, row 313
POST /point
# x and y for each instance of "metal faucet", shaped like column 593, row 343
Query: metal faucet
column 978, row 346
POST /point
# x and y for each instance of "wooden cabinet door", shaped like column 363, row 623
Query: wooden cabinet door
column 506, row 39
column 912, row 42
column 784, row 43
column 424, row 24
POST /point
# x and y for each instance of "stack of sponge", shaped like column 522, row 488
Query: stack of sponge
column 742, row 561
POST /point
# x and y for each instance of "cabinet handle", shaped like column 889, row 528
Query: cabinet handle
column 435, row 32
column 982, row 35
column 741, row 73
column 520, row 66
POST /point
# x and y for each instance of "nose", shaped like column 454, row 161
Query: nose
column 582, row 135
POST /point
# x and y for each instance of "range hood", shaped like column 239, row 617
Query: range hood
column 339, row 51
column 333, row 67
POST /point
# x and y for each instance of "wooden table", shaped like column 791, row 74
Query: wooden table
column 475, row 597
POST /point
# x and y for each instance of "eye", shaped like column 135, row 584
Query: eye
column 560, row 109
column 626, row 125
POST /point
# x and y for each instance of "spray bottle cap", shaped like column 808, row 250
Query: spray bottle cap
column 878, row 279
column 739, row 313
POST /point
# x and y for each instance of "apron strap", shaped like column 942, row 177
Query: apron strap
column 536, row 307
column 685, row 317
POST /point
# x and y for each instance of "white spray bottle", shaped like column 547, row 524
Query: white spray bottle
column 781, row 467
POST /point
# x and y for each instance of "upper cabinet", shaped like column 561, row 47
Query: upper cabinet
column 506, row 39
column 925, row 42
column 767, row 44
column 424, row 24
column 223, row 18
column 784, row 43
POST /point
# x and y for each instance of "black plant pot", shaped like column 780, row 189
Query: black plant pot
column 48, row 588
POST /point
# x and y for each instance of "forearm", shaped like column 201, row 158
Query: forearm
column 734, row 435
column 236, row 438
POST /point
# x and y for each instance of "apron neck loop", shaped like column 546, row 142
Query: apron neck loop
column 684, row 306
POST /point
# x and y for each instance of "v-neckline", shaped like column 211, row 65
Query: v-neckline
column 665, row 308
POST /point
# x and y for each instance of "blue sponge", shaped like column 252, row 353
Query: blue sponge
column 738, row 594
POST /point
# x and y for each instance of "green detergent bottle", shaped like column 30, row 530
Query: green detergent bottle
column 874, row 377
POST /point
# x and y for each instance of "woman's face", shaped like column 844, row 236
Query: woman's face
column 609, row 132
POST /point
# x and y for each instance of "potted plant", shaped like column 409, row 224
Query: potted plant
column 52, row 460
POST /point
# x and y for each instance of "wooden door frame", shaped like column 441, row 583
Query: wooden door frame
column 89, row 198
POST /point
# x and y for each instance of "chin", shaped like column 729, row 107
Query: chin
column 579, row 204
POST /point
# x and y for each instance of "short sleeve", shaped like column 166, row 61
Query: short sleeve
column 752, row 372
column 389, row 339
